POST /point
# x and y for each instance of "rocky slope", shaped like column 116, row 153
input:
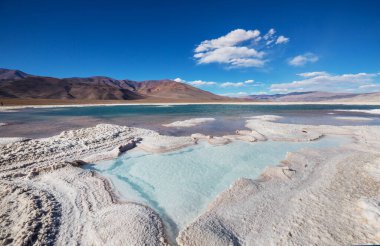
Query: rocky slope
column 16, row 84
column 6, row 74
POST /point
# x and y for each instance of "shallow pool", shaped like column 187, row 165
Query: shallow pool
column 180, row 184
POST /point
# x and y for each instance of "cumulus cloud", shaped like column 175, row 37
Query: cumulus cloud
column 272, row 39
column 235, row 94
column 232, row 84
column 312, row 74
column 322, row 81
column 201, row 82
column 179, row 80
column 235, row 56
column 194, row 82
column 238, row 48
column 282, row 40
column 231, row 39
column 247, row 62
column 269, row 35
column 301, row 60
column 370, row 87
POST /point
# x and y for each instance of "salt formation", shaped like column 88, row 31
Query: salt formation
column 46, row 198
column 189, row 123
column 314, row 197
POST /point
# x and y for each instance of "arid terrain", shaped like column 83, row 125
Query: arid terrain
column 19, row 88
column 18, row 85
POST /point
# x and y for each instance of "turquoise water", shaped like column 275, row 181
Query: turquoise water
column 180, row 184
column 51, row 121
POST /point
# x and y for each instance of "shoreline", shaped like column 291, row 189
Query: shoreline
column 16, row 107
column 49, row 178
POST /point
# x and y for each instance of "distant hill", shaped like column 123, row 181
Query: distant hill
column 310, row 96
column 7, row 74
column 365, row 97
column 17, row 84
column 317, row 96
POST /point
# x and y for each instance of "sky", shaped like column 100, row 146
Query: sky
column 230, row 48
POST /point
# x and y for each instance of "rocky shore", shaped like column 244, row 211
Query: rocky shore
column 314, row 197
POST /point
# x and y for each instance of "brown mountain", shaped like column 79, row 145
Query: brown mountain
column 7, row 74
column 16, row 84
column 172, row 89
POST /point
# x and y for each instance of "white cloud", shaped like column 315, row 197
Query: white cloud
column 179, row 80
column 247, row 62
column 282, row 40
column 231, row 39
column 312, row 74
column 238, row 48
column 246, row 83
column 235, row 94
column 231, row 84
column 194, row 82
column 201, row 82
column 269, row 42
column 322, row 81
column 231, row 55
column 301, row 60
column 370, row 87
column 272, row 39
column 269, row 34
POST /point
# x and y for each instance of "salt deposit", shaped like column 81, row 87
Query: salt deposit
column 368, row 111
column 4, row 141
column 313, row 197
column 354, row 118
column 267, row 117
column 179, row 184
column 190, row 122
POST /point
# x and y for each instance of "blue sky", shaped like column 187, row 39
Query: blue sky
column 227, row 47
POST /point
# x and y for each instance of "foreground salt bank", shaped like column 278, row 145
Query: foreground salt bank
column 311, row 197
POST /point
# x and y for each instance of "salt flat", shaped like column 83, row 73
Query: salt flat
column 180, row 184
column 312, row 196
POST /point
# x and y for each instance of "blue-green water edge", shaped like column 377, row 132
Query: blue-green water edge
column 180, row 184
column 42, row 122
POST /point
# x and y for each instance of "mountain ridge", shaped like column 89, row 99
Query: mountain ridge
column 317, row 96
column 17, row 84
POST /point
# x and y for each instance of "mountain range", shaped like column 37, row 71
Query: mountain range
column 15, row 84
column 318, row 96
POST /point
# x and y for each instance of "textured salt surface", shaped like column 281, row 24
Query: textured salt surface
column 189, row 123
column 180, row 184
column 327, row 196
column 4, row 141
column 368, row 111
column 354, row 118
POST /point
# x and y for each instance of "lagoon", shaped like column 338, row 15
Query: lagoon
column 180, row 184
